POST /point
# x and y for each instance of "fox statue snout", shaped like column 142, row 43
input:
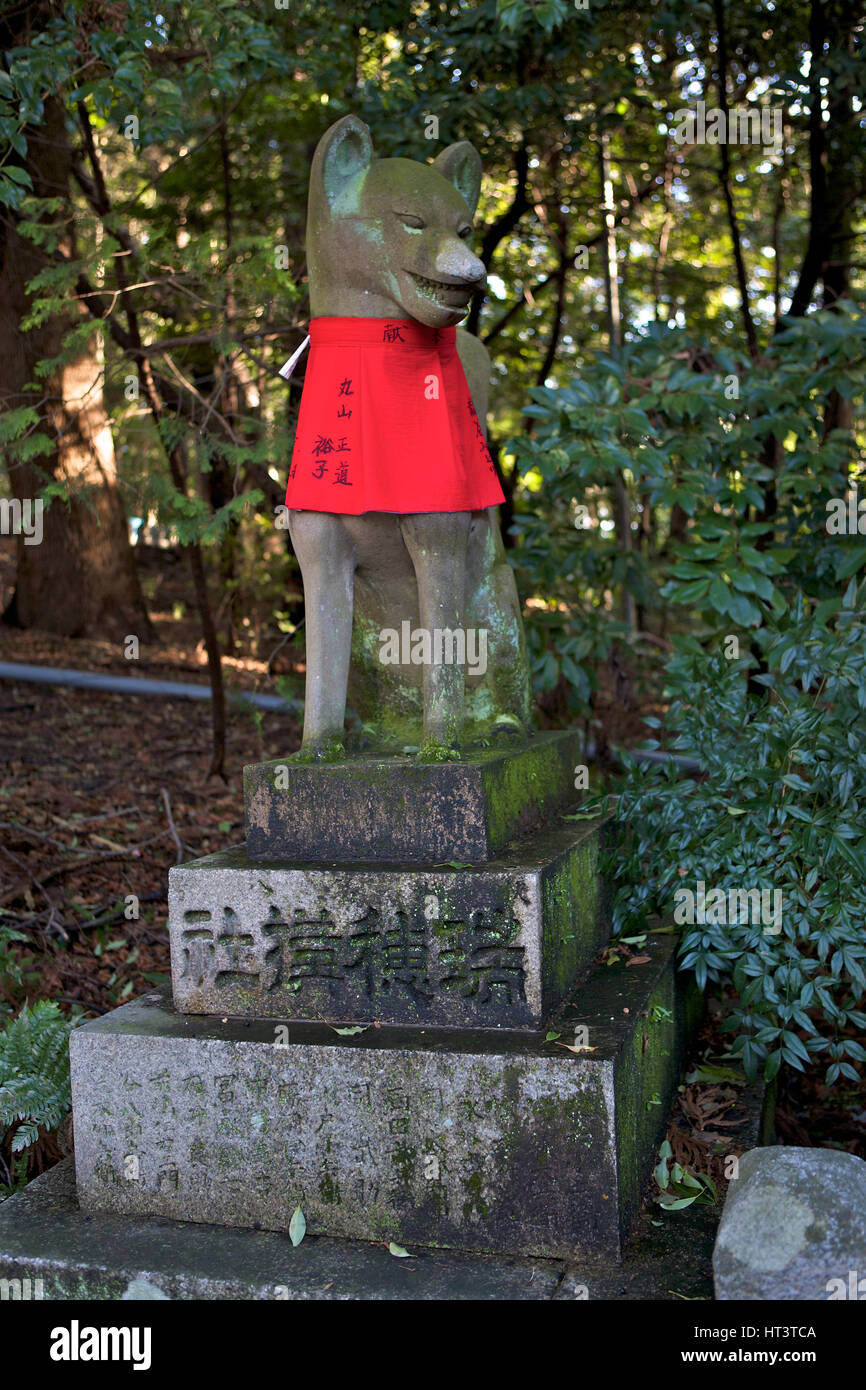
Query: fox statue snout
column 389, row 259
column 441, row 278
column 448, row 287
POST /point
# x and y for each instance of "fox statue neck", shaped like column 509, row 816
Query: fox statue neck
column 342, row 302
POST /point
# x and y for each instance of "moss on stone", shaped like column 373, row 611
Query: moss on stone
column 329, row 1190
column 540, row 776
column 649, row 1070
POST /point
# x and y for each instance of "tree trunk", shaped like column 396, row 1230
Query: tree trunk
column 81, row 579
column 622, row 505
column 727, row 182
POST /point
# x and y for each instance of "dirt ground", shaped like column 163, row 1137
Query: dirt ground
column 101, row 793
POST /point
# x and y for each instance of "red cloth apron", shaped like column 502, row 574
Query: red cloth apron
column 387, row 423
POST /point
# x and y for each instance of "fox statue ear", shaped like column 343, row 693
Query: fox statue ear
column 461, row 165
column 344, row 152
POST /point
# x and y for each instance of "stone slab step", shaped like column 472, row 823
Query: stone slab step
column 396, row 810
column 502, row 1143
column 492, row 947
column 50, row 1249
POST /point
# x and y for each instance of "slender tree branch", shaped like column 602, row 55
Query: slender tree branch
column 727, row 186
column 559, row 234
column 813, row 257
column 502, row 226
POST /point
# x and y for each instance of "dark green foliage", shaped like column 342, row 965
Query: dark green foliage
column 767, row 688
column 782, row 807
column 34, row 1074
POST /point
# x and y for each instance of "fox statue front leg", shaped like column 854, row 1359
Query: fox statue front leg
column 437, row 544
column 327, row 559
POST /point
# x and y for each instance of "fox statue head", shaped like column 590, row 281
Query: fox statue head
column 389, row 238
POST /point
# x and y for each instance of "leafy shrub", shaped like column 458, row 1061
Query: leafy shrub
column 782, row 808
column 34, row 1074
column 767, row 677
column 693, row 443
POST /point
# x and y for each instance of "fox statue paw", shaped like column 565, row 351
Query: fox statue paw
column 432, row 750
column 505, row 732
column 325, row 750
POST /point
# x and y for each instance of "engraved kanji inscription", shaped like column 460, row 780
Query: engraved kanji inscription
column 217, row 953
column 375, row 950
column 383, row 949
column 479, row 961
column 304, row 947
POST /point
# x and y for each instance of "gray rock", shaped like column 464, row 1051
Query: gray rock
column 492, row 947
column 794, row 1227
column 373, row 810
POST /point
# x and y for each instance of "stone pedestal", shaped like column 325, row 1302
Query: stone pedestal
column 475, row 1140
column 396, row 810
column 496, row 946
column 374, row 1014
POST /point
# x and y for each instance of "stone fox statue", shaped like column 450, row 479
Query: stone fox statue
column 391, row 493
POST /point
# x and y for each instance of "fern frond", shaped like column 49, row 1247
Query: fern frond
column 34, row 1073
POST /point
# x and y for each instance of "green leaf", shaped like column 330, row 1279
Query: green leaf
column 851, row 562
column 398, row 1251
column 687, row 1180
column 297, row 1226
column 743, row 611
column 719, row 595
column 693, row 592
column 674, row 1203
column 708, row 1073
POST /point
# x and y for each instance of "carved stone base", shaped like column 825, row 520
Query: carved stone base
column 498, row 946
column 501, row 1142
column 395, row 810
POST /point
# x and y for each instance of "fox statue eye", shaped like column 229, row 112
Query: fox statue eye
column 411, row 222
column 465, row 232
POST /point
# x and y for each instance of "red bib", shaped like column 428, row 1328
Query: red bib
column 387, row 423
